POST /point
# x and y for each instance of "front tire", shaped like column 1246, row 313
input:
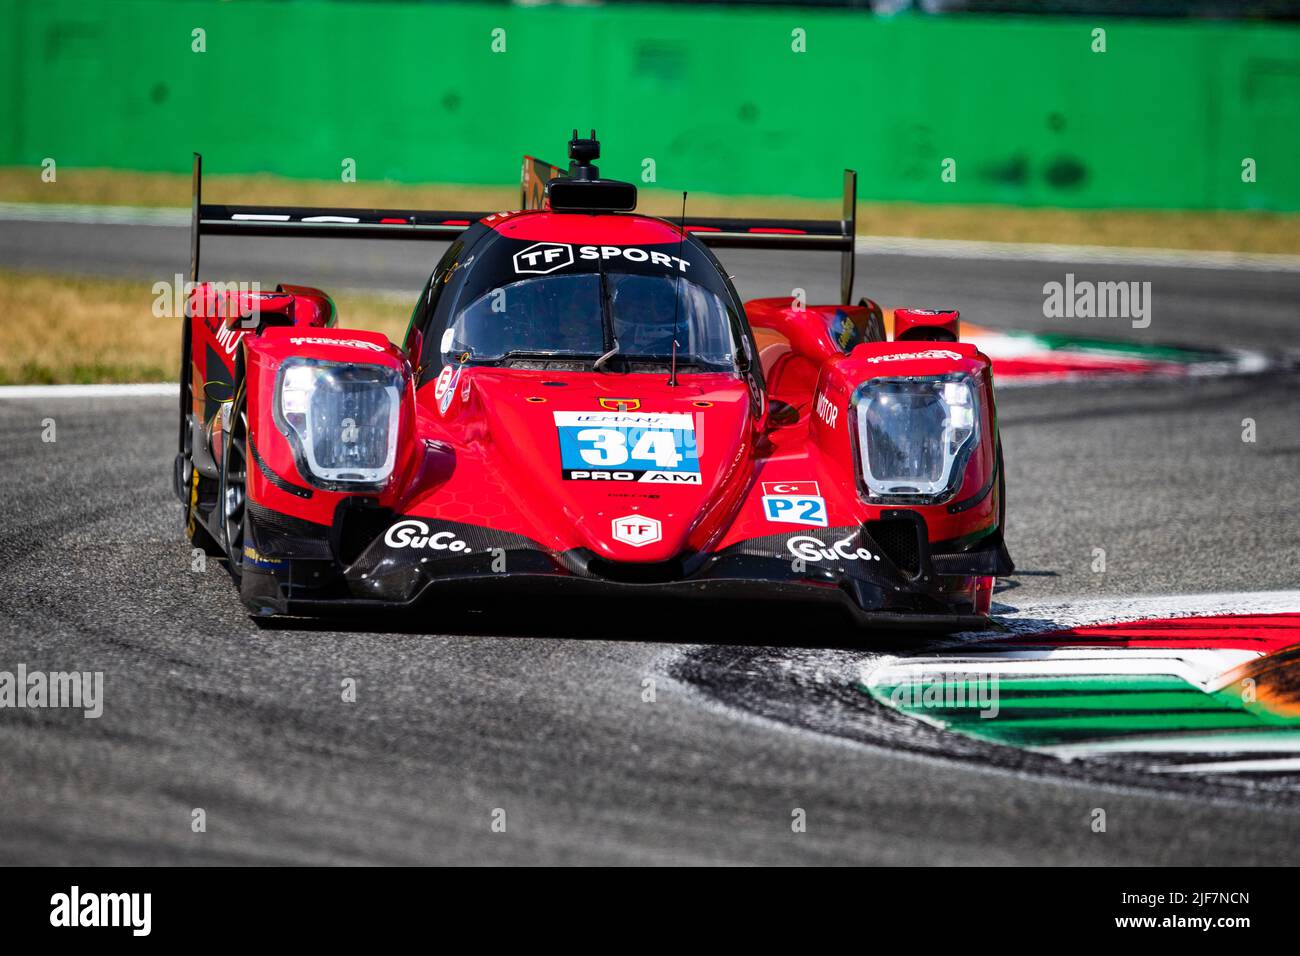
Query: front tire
column 232, row 495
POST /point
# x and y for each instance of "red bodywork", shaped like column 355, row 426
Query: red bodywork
column 481, row 492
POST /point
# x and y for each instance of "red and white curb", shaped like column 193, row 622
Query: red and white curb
column 1155, row 680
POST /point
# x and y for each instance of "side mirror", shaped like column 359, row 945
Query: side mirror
column 781, row 413
column 219, row 392
column 413, row 347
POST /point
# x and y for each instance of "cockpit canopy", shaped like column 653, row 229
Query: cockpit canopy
column 514, row 303
column 587, row 314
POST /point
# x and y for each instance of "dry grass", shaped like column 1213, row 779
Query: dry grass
column 387, row 314
column 57, row 329
column 1232, row 231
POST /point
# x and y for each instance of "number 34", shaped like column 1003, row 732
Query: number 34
column 609, row 448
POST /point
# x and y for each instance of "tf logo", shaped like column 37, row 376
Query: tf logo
column 637, row 530
column 543, row 257
column 620, row 404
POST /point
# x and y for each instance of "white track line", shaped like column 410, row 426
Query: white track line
column 1231, row 766
column 1075, row 612
column 1281, row 740
column 1200, row 667
column 138, row 390
column 866, row 245
column 94, row 215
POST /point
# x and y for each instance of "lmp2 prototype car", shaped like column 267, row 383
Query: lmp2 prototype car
column 582, row 404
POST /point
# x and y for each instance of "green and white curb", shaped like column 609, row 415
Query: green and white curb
column 1181, row 685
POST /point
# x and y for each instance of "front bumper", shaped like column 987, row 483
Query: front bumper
column 286, row 574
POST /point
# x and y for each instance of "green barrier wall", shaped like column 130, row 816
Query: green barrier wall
column 716, row 96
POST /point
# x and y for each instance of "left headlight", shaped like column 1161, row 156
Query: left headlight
column 342, row 420
column 914, row 434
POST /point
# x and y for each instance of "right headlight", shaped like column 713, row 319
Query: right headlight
column 342, row 420
column 915, row 434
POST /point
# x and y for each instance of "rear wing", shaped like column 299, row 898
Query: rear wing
column 303, row 222
column 316, row 223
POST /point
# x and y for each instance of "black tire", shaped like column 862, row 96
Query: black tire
column 231, row 496
column 195, row 529
column 1002, row 491
column 201, row 539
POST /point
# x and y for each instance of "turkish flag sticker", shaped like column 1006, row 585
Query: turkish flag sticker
column 790, row 488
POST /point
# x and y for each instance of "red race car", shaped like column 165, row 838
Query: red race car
column 583, row 404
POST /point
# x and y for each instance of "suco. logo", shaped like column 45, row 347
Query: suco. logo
column 807, row 548
column 415, row 534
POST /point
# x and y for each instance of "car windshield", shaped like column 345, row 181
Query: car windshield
column 586, row 315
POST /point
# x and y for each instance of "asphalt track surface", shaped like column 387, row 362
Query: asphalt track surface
column 539, row 710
